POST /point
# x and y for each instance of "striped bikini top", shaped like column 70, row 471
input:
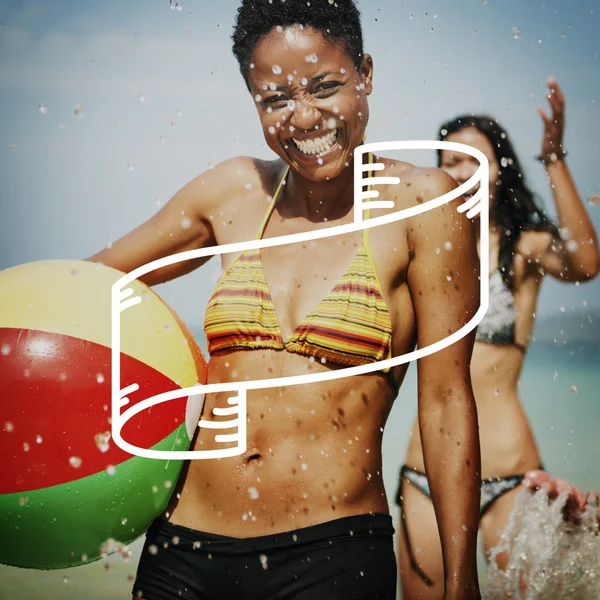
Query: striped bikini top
column 350, row 326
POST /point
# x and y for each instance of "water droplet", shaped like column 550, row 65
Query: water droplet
column 277, row 69
column 263, row 561
column 168, row 484
column 572, row 246
column 8, row 426
column 142, row 98
column 320, row 160
column 43, row 108
column 257, row 98
column 5, row 350
column 565, row 233
column 304, row 81
column 38, row 439
column 272, row 130
column 504, row 161
column 253, row 493
column 75, row 462
column 65, row 579
column 448, row 246
column 153, row 549
column 311, row 58
column 437, row 250
column 304, row 467
column 100, row 378
column 101, row 440
column 516, row 33
column 573, row 389
column 594, row 200
column 448, row 277
column 175, row 5
column 24, row 500
column 25, row 447
column 185, row 223
column 110, row 470
column 78, row 110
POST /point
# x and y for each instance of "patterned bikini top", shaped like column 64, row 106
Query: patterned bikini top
column 350, row 326
column 498, row 323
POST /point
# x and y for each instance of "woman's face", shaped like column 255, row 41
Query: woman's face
column 311, row 100
column 463, row 166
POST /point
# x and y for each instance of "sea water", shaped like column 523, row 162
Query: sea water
column 549, row 557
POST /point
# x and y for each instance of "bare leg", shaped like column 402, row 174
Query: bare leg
column 495, row 520
column 425, row 544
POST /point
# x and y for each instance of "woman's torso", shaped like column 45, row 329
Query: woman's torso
column 314, row 450
column 506, row 440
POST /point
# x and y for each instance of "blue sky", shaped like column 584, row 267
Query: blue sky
column 161, row 98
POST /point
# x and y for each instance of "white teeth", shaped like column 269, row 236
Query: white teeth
column 317, row 145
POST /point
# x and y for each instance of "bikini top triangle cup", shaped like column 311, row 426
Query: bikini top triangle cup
column 350, row 326
column 498, row 323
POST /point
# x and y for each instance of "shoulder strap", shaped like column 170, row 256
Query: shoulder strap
column 367, row 211
column 272, row 205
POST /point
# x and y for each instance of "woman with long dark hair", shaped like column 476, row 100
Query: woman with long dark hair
column 525, row 246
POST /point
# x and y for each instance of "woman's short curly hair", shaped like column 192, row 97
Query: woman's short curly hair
column 339, row 20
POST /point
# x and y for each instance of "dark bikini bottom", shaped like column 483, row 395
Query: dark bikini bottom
column 348, row 558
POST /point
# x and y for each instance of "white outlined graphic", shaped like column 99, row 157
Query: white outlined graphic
column 122, row 300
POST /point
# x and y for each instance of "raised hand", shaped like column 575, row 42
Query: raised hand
column 552, row 142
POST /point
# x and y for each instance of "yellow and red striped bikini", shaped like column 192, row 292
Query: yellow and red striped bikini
column 350, row 326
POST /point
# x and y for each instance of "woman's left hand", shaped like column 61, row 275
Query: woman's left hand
column 577, row 501
column 553, row 125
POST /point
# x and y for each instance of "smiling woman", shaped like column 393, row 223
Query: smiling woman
column 303, row 513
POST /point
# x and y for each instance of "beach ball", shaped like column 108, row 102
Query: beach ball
column 68, row 494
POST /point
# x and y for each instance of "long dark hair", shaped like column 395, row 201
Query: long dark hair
column 515, row 207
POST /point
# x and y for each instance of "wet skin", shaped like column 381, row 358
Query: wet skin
column 314, row 451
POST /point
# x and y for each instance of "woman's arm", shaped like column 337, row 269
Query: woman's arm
column 444, row 288
column 575, row 258
column 182, row 224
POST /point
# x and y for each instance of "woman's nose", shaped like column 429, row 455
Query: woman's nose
column 466, row 171
column 304, row 116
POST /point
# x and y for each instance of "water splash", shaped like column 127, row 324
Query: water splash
column 112, row 546
column 554, row 559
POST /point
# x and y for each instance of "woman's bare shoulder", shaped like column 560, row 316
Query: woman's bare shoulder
column 231, row 180
column 416, row 184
